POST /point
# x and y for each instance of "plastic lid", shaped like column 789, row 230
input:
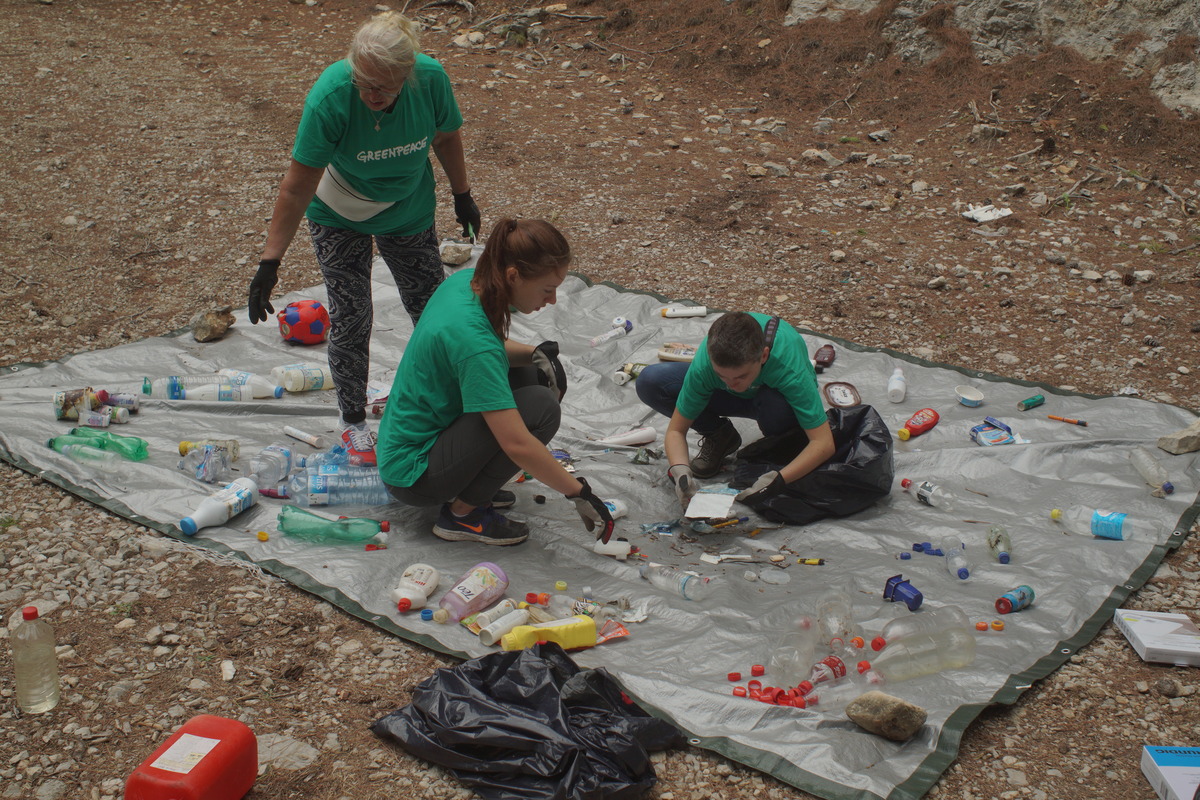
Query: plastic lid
column 441, row 616
column 146, row 387
column 739, row 691
column 29, row 613
column 805, row 687
column 981, row 626
column 903, row 435
column 963, row 573
column 734, row 676
column 279, row 391
column 862, row 666
column 906, row 482
column 1003, row 558
column 878, row 643
column 1004, row 605
column 102, row 395
column 404, row 605
column 188, row 526
column 1056, row 513
column 757, row 670
column 858, row 643
column 1168, row 487
column 427, row 614
column 560, row 586
column 184, row 446
column 905, row 556
column 531, row 598
column 385, row 526
column 997, row 624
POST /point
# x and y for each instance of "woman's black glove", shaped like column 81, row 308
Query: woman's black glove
column 593, row 512
column 545, row 358
column 467, row 214
column 260, row 290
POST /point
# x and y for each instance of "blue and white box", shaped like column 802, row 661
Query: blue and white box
column 1174, row 772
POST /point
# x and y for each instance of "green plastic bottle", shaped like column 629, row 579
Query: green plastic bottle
column 130, row 447
column 311, row 527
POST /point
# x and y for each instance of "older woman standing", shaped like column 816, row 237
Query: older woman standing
column 361, row 172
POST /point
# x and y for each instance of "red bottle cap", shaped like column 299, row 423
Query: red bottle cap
column 739, row 691
column 907, row 482
column 878, row 643
column 404, row 605
column 29, row 613
column 857, row 642
column 863, row 666
column 981, row 626
column 385, row 526
column 734, row 676
column 805, row 687
column 799, row 702
column 754, row 686
column 757, row 670
column 1004, row 605
column 755, row 694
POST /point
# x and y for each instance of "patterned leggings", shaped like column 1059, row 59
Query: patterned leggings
column 345, row 260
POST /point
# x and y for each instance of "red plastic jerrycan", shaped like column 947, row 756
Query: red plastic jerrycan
column 208, row 758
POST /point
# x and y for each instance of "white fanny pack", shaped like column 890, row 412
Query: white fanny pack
column 335, row 192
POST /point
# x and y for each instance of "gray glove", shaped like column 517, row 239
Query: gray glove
column 591, row 509
column 685, row 483
column 767, row 486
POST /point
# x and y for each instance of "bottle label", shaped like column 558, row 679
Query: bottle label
column 475, row 583
column 174, row 388
column 1108, row 524
column 318, row 490
column 925, row 492
column 314, row 378
column 235, row 497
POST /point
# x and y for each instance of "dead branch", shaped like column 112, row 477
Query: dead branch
column 845, row 100
column 1188, row 208
column 649, row 52
column 1069, row 194
column 463, row 4
column 584, row 17
column 1179, row 250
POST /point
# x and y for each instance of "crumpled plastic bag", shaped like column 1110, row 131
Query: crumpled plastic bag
column 531, row 724
column 859, row 473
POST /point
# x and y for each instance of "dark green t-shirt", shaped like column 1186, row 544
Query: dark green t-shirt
column 788, row 370
column 390, row 164
column 454, row 364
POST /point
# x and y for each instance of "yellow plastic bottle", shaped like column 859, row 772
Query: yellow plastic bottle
column 570, row 633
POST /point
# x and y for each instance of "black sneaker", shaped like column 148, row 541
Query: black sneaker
column 715, row 447
column 503, row 499
column 483, row 524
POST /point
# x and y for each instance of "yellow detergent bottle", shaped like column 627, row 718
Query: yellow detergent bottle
column 571, row 633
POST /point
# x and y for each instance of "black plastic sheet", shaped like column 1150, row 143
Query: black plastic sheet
column 859, row 473
column 531, row 724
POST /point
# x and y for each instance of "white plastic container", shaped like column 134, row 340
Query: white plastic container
column 494, row 632
column 685, row 311
column 621, row 326
column 222, row 506
column 897, row 386
column 634, row 438
column 173, row 387
column 257, row 385
column 307, row 378
column 35, row 664
column 416, row 584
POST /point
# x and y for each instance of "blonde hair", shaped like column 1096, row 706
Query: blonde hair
column 390, row 41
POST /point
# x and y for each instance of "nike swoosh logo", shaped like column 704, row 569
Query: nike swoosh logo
column 477, row 528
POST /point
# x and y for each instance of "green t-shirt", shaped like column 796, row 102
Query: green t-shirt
column 788, row 370
column 390, row 164
column 454, row 364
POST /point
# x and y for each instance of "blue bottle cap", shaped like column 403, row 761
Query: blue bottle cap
column 905, row 556
column 963, row 573
column 1168, row 487
column 427, row 614
column 918, row 547
column 1002, row 558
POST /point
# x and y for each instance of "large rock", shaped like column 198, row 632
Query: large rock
column 208, row 326
column 887, row 716
column 1182, row 441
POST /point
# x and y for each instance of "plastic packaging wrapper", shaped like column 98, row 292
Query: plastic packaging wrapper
column 530, row 724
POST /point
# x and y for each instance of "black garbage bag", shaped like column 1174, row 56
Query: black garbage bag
column 531, row 724
column 859, row 473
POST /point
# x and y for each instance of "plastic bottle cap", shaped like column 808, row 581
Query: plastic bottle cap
column 1056, row 513
column 799, row 702
column 862, row 666
column 29, row 613
column 531, row 598
column 758, row 669
column 263, row 536
column 963, row 573
column 903, row 436
column 997, row 624
column 754, row 686
column 385, row 526
column 543, row 598
column 905, row 483
column 905, row 556
column 981, row 626
column 188, row 526
column 404, row 605
column 1168, row 487
column 739, row 691
column 560, row 586
column 1003, row 605
column 734, row 676
column 858, row 643
column 878, row 643
column 1003, row 558
column 427, row 614
column 805, row 687
column 441, row 616
column 919, row 547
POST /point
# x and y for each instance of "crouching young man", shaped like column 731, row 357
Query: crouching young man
column 751, row 366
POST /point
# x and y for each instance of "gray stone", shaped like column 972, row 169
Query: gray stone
column 210, row 325
column 887, row 716
column 1168, row 687
column 1186, row 440
column 51, row 790
column 456, row 254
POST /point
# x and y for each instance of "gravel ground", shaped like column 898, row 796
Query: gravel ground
column 147, row 141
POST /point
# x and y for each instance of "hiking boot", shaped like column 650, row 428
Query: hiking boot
column 484, row 525
column 503, row 499
column 715, row 447
column 360, row 444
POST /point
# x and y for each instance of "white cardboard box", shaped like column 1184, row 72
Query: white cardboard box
column 1174, row 772
column 1161, row 637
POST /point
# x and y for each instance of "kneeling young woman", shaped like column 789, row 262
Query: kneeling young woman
column 468, row 406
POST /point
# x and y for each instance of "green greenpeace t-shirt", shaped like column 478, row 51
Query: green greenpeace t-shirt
column 788, row 370
column 390, row 164
column 454, row 364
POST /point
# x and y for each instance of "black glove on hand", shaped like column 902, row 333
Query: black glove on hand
column 685, row 483
column 767, row 486
column 260, row 290
column 545, row 358
column 467, row 214
column 593, row 512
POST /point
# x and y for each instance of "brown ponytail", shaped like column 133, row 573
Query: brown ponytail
column 533, row 246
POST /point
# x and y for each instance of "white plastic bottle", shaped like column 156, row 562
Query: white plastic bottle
column 955, row 555
column 929, row 494
column 921, row 622
column 1151, row 470
column 494, row 631
column 256, row 384
column 35, row 664
column 1094, row 522
column 222, row 506
column 925, row 654
column 672, row 579
column 173, row 387
column 897, row 386
column 621, row 326
column 490, row 615
column 416, row 584
column 272, row 464
column 307, row 378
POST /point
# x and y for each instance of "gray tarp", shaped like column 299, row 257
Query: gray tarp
column 676, row 661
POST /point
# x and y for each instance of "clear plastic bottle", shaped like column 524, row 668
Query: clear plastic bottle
column 835, row 620
column 334, row 456
column 174, row 387
column 481, row 586
column 417, row 582
column 620, row 327
column 999, row 544
column 792, row 654
column 35, row 663
column 836, row 695
column 272, row 464
column 925, row 654
column 929, row 494
column 208, row 463
column 94, row 417
column 1094, row 522
column 831, row 668
column 338, row 485
column 222, row 506
column 955, row 556
column 307, row 378
column 923, row 622
column 231, row 446
column 92, row 456
column 672, row 579
column 897, row 386
column 130, row 447
column 256, row 384
column 314, row 528
column 1152, row 472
